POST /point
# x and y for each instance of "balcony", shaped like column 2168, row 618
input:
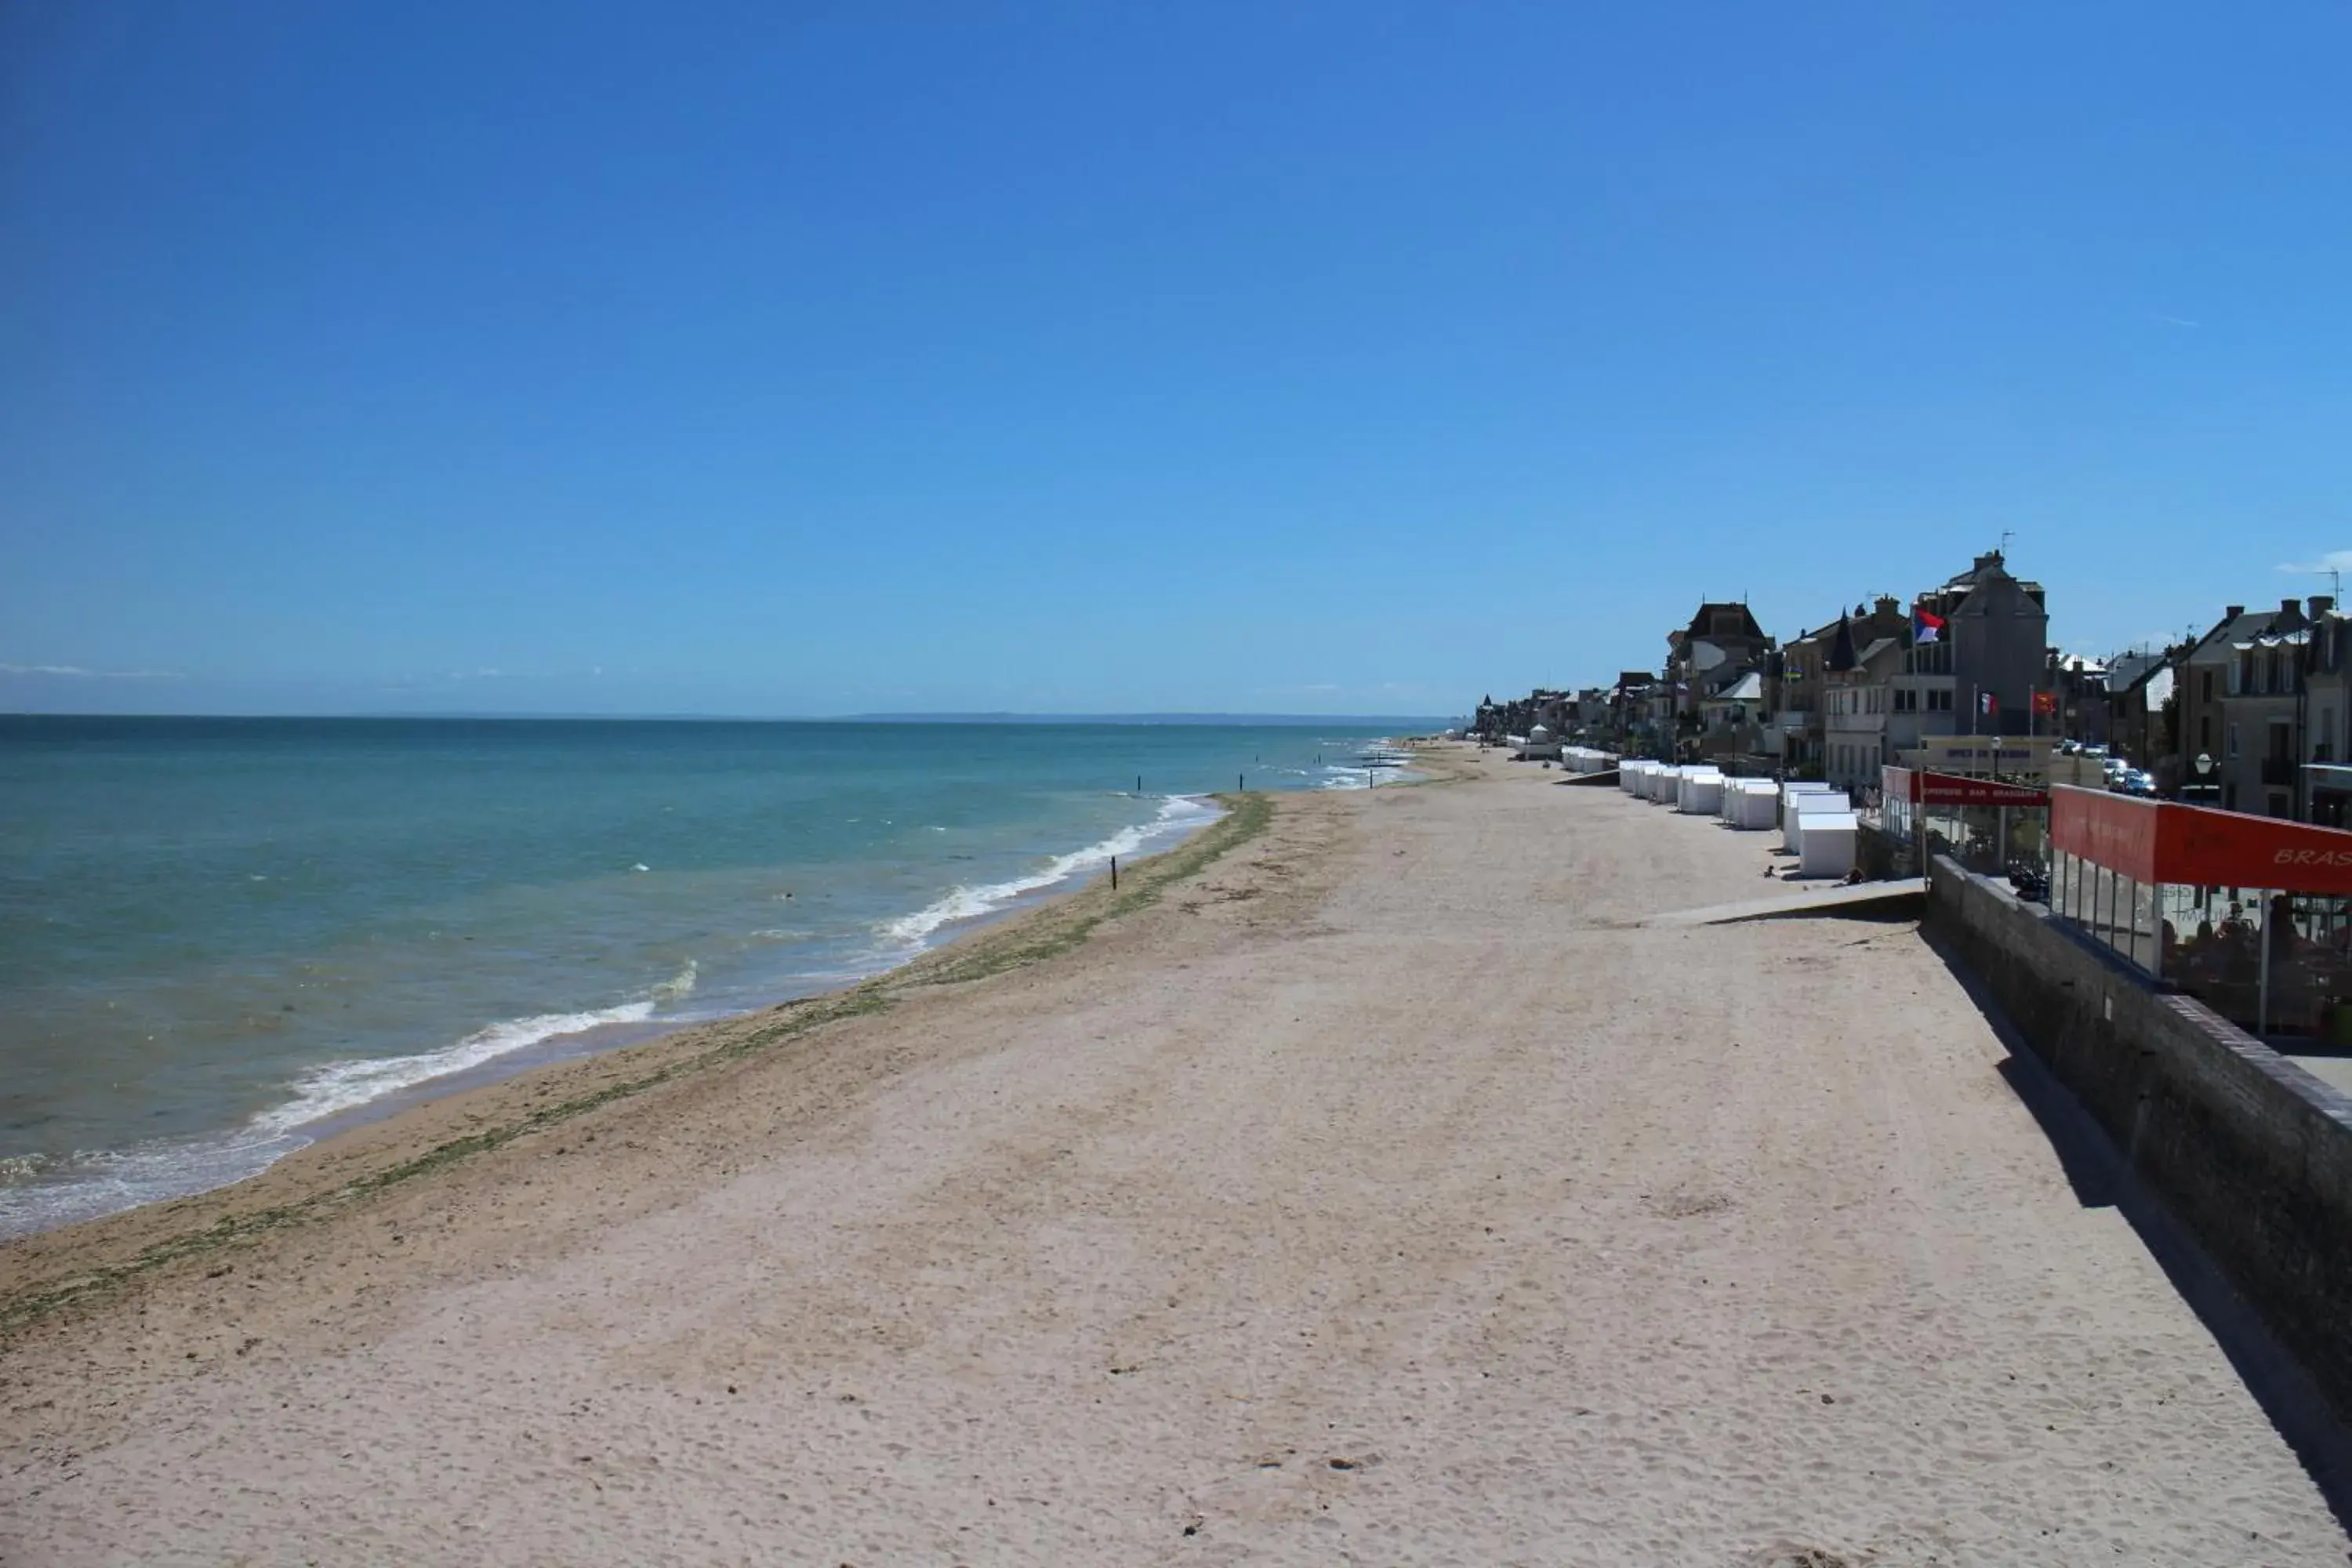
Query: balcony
column 2279, row 770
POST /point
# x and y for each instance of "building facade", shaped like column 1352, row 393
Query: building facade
column 1998, row 632
column 1855, row 710
column 2263, row 714
column 2141, row 714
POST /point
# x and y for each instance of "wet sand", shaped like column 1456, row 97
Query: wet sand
column 1382, row 1192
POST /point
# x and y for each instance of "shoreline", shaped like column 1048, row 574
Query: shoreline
column 353, row 961
column 407, row 1135
column 1379, row 1186
column 246, row 1150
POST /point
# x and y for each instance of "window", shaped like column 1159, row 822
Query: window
column 2205, row 686
column 2205, row 727
column 2233, row 743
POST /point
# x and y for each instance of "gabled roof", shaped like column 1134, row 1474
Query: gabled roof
column 2126, row 671
column 1990, row 565
column 1703, row 624
column 2241, row 630
column 1748, row 687
column 1841, row 654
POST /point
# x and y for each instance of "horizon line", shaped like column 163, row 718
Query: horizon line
column 942, row 716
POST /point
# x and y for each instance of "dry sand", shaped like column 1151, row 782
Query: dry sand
column 1378, row 1194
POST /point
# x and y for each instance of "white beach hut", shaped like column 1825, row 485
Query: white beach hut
column 1791, row 788
column 1663, row 783
column 1699, row 792
column 1806, row 804
column 1629, row 775
column 1751, row 804
column 1828, row 843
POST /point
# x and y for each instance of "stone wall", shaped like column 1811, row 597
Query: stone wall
column 2252, row 1153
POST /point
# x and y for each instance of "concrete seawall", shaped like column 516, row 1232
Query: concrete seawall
column 2252, row 1153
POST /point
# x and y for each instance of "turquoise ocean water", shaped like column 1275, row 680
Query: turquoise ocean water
column 220, row 938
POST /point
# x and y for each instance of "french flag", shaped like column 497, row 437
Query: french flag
column 1925, row 627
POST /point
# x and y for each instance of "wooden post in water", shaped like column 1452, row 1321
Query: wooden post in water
column 1114, row 873
column 1240, row 787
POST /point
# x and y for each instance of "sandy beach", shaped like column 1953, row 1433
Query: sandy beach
column 1362, row 1182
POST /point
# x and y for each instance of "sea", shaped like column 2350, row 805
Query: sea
column 221, row 939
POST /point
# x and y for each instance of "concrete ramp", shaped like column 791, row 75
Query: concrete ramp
column 1902, row 895
column 1609, row 778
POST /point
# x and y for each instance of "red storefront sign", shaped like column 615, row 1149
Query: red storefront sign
column 1954, row 789
column 2161, row 841
column 2117, row 831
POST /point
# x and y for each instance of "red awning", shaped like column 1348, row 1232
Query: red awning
column 2162, row 841
column 1923, row 788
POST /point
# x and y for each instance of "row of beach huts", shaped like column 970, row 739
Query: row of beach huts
column 1816, row 821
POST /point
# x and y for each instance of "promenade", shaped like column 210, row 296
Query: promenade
column 1387, row 1193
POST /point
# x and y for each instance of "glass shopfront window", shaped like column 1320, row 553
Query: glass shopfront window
column 2274, row 962
column 2111, row 909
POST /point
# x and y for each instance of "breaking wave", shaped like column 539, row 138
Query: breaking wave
column 1179, row 816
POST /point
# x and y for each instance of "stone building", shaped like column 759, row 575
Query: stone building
column 1721, row 643
column 1857, row 700
column 2265, row 715
column 1995, row 643
column 1801, row 715
column 2240, row 709
column 2139, row 728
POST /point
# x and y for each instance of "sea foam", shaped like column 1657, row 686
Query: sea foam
column 1178, row 815
column 336, row 1087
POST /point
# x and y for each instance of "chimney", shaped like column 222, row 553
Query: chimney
column 2291, row 608
column 2233, row 612
column 2321, row 604
column 1888, row 605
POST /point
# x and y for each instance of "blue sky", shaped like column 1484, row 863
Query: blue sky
column 809, row 359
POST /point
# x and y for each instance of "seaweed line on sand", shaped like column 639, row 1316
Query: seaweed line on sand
column 1047, row 934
